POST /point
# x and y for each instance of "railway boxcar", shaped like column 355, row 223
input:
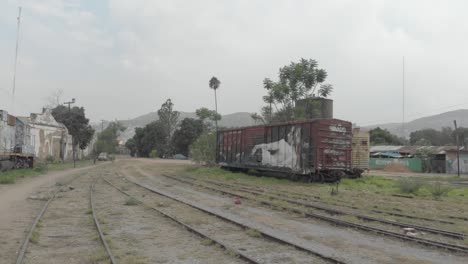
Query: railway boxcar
column 314, row 150
column 16, row 150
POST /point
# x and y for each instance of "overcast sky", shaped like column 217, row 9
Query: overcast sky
column 124, row 58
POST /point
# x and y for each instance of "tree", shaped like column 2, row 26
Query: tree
column 380, row 136
column 149, row 138
column 107, row 140
column 203, row 149
column 258, row 119
column 214, row 84
column 207, row 117
column 297, row 81
column 131, row 145
column 77, row 124
column 190, row 129
column 168, row 119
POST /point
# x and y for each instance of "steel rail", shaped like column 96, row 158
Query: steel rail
column 96, row 222
column 318, row 200
column 335, row 221
column 26, row 241
column 187, row 226
column 437, row 231
column 270, row 236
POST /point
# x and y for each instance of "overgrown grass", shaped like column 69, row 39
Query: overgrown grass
column 11, row 176
column 34, row 237
column 131, row 201
column 253, row 233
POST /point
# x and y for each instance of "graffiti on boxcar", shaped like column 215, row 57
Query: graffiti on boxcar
column 281, row 153
column 337, row 128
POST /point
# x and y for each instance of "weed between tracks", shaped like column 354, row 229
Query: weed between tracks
column 430, row 199
column 34, row 237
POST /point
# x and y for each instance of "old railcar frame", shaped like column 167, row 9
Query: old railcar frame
column 314, row 150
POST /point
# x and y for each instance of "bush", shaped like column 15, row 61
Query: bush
column 50, row 159
column 203, row 150
column 40, row 167
column 153, row 154
column 437, row 190
column 409, row 185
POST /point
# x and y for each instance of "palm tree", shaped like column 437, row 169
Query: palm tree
column 214, row 84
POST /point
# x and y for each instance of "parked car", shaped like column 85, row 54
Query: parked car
column 103, row 156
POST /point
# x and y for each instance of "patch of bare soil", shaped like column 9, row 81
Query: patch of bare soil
column 355, row 247
column 250, row 242
column 140, row 235
column 66, row 233
column 17, row 212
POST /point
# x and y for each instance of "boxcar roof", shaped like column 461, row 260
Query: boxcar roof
column 283, row 123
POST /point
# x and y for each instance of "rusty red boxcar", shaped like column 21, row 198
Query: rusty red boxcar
column 312, row 150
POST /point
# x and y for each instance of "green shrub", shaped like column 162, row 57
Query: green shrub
column 153, row 154
column 203, row 150
column 437, row 190
column 409, row 185
column 40, row 167
column 50, row 159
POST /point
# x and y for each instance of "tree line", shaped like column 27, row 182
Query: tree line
column 167, row 136
column 424, row 137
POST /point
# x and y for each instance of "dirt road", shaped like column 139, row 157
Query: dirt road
column 142, row 226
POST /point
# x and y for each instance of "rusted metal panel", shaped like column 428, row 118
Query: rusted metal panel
column 300, row 147
column 360, row 149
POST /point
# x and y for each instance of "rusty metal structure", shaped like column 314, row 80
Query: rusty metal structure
column 16, row 150
column 360, row 149
column 311, row 150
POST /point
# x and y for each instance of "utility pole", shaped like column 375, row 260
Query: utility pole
column 102, row 125
column 403, row 100
column 458, row 148
column 16, row 60
column 73, row 139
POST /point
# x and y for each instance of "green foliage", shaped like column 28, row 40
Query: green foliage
column 298, row 80
column 41, row 167
column 131, row 201
column 437, row 190
column 258, row 119
column 77, row 124
column 208, row 117
column 409, row 185
column 203, row 149
column 50, row 159
column 380, row 136
column 214, row 83
column 168, row 119
column 149, row 138
column 444, row 137
column 131, row 145
column 107, row 139
column 190, row 129
column 153, row 154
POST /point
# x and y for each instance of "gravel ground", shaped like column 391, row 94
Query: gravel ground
column 249, row 242
column 140, row 235
column 66, row 233
column 354, row 246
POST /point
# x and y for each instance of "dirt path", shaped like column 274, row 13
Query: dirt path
column 17, row 212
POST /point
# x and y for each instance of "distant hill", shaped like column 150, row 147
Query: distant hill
column 435, row 121
column 230, row 120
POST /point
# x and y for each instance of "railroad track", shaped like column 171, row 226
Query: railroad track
column 280, row 244
column 25, row 245
column 317, row 199
column 427, row 242
column 96, row 222
column 332, row 211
